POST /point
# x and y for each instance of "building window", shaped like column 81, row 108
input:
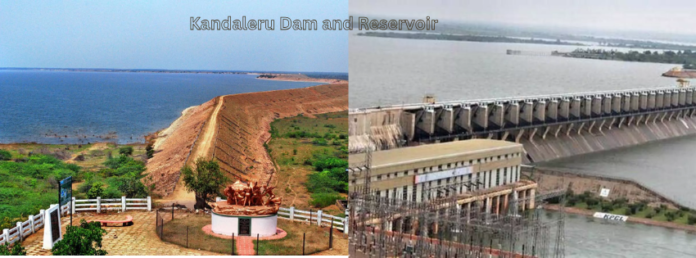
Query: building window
column 404, row 193
column 497, row 177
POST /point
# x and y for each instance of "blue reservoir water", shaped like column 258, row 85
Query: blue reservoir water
column 38, row 106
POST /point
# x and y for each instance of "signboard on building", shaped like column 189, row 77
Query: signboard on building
column 609, row 216
column 442, row 174
column 604, row 192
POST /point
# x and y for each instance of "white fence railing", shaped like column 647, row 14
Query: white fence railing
column 314, row 217
column 36, row 222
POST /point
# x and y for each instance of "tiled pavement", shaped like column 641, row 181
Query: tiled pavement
column 138, row 239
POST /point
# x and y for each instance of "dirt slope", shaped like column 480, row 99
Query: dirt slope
column 244, row 124
column 233, row 129
column 163, row 168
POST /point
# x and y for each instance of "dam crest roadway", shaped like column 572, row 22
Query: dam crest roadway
column 549, row 127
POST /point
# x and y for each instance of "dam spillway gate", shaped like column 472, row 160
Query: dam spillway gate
column 549, row 127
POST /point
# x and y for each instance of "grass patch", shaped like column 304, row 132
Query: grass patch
column 316, row 240
column 295, row 144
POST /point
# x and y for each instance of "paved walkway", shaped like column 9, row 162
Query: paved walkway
column 139, row 239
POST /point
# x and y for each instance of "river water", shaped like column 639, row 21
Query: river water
column 387, row 71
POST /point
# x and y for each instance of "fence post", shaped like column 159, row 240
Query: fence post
column 303, row 242
column 346, row 225
column 319, row 218
column 31, row 219
column 72, row 203
column 232, row 243
column 6, row 233
column 331, row 235
column 257, row 244
column 292, row 213
column 217, row 199
column 98, row 204
column 123, row 203
column 149, row 203
column 20, row 232
column 41, row 214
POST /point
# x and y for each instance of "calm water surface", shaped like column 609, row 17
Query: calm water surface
column 394, row 71
column 37, row 105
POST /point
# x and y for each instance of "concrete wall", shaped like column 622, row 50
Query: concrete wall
column 550, row 127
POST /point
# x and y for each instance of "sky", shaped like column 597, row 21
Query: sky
column 156, row 35
column 665, row 16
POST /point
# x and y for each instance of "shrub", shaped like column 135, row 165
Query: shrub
column 320, row 142
column 126, row 150
column 649, row 215
column 16, row 249
column 97, row 190
column 670, row 215
column 5, row 155
column 691, row 220
column 81, row 240
column 321, row 200
column 149, row 151
column 131, row 187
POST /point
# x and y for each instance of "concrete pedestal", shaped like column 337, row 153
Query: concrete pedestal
column 231, row 224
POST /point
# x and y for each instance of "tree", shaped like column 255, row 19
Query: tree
column 132, row 187
column 97, row 190
column 205, row 180
column 126, row 150
column 16, row 249
column 81, row 240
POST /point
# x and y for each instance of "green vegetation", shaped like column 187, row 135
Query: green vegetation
column 687, row 58
column 5, row 155
column 27, row 187
column 121, row 177
column 312, row 154
column 16, row 249
column 622, row 206
column 29, row 182
column 126, row 150
column 206, row 180
column 81, row 240
column 149, row 151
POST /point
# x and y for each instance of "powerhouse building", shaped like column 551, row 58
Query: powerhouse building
column 474, row 170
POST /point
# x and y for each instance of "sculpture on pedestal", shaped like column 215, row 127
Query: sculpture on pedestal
column 248, row 199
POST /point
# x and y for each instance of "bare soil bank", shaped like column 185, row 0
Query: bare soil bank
column 300, row 78
column 171, row 152
column 233, row 129
column 666, row 224
column 549, row 179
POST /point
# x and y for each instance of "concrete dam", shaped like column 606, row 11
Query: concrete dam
column 549, row 127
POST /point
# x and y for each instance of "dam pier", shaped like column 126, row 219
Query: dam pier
column 549, row 127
